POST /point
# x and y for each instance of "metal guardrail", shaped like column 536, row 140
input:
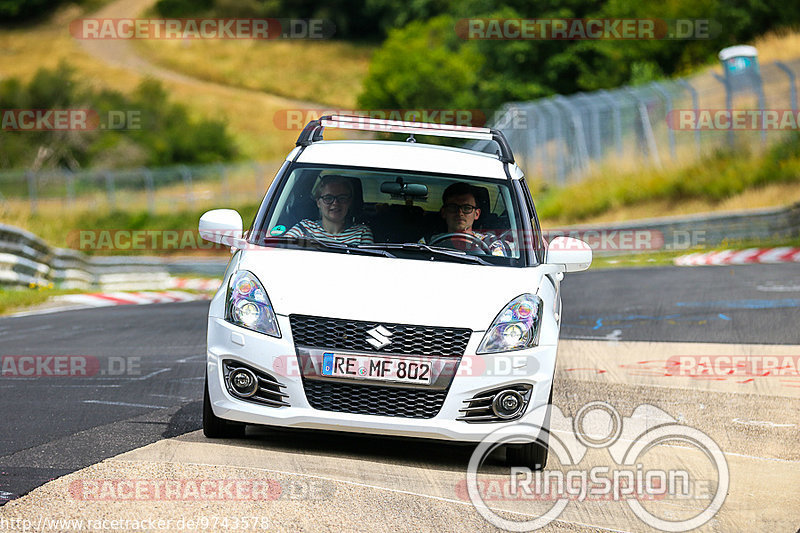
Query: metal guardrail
column 707, row 230
column 26, row 259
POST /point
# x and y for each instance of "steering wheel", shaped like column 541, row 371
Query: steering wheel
column 468, row 237
column 506, row 233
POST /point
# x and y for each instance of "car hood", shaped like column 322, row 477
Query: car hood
column 404, row 291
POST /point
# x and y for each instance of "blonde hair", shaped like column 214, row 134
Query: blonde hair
column 329, row 179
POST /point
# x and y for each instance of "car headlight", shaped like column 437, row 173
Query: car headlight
column 516, row 327
column 248, row 306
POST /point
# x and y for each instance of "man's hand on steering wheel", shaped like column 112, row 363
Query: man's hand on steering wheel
column 469, row 238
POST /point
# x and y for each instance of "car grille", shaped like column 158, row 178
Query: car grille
column 374, row 400
column 334, row 333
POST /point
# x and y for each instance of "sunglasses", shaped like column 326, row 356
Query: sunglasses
column 464, row 208
column 328, row 199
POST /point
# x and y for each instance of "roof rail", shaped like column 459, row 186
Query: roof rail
column 313, row 130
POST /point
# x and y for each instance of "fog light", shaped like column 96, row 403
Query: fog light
column 243, row 382
column 508, row 404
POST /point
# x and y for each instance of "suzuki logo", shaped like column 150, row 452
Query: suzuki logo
column 379, row 337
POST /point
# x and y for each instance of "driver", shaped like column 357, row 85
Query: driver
column 460, row 211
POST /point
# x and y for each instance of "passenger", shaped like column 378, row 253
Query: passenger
column 334, row 197
column 460, row 211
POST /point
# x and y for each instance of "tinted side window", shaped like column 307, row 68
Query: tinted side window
column 538, row 239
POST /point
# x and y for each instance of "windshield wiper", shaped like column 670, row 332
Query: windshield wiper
column 330, row 245
column 435, row 250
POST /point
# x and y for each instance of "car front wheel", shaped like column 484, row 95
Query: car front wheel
column 534, row 454
column 215, row 427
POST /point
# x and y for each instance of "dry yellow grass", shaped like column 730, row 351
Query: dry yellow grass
column 249, row 114
column 328, row 72
column 23, row 51
column 774, row 195
column 780, row 45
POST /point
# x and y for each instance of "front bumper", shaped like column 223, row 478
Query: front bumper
column 278, row 357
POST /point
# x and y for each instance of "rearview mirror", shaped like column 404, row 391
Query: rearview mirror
column 223, row 226
column 404, row 189
column 573, row 255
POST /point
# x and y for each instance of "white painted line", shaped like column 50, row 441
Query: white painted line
column 125, row 404
column 139, row 378
column 778, row 288
column 763, row 423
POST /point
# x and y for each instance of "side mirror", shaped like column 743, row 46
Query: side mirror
column 223, row 226
column 573, row 255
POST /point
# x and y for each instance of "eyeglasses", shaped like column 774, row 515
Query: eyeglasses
column 464, row 208
column 328, row 199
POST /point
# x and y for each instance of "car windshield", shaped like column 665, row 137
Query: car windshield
column 394, row 214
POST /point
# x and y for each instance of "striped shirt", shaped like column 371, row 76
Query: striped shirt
column 357, row 234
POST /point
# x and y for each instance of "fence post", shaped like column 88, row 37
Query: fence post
column 647, row 128
column 70, row 179
column 558, row 140
column 580, row 138
column 540, row 154
column 226, row 190
column 695, row 105
column 31, row 176
column 150, row 191
column 531, row 141
column 595, row 118
column 187, row 180
column 668, row 101
column 614, row 105
column 759, row 83
column 728, row 104
column 110, row 189
column 792, row 84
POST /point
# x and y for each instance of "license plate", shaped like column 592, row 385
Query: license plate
column 376, row 368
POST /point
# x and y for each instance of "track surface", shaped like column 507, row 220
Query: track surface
column 52, row 426
column 749, row 304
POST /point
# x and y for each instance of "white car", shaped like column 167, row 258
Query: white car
column 363, row 298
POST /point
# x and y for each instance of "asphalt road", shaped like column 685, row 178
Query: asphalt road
column 55, row 425
column 748, row 304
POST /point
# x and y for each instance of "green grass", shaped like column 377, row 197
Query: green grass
column 713, row 180
column 15, row 299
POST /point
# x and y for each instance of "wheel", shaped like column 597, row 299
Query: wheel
column 215, row 427
column 534, row 454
